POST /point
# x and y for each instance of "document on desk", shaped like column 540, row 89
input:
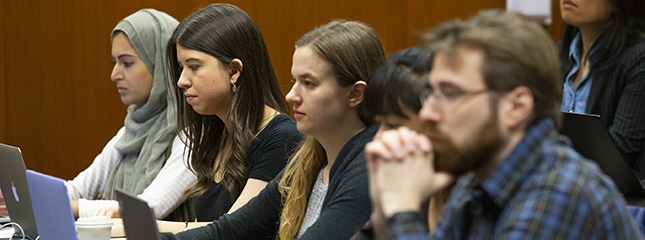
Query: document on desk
column 6, row 233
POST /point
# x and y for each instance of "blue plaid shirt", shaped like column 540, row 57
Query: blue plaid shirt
column 543, row 190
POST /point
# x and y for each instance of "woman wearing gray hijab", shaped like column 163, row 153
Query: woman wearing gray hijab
column 145, row 158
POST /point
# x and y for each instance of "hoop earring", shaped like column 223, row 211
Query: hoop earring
column 234, row 87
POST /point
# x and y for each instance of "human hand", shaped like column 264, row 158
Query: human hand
column 3, row 207
column 377, row 219
column 117, row 228
column 2, row 201
column 401, row 172
column 112, row 212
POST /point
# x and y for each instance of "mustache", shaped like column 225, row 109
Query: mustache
column 432, row 132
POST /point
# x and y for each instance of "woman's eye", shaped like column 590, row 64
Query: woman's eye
column 193, row 67
column 127, row 64
column 308, row 84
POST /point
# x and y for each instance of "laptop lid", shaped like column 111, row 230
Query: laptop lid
column 13, row 183
column 52, row 209
column 592, row 140
column 138, row 218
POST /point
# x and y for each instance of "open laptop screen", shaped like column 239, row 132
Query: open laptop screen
column 591, row 138
column 54, row 216
column 138, row 218
column 13, row 182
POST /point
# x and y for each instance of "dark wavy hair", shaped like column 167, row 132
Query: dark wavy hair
column 627, row 27
column 225, row 32
column 399, row 80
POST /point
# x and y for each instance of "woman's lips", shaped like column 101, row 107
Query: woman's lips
column 569, row 4
column 297, row 114
column 190, row 98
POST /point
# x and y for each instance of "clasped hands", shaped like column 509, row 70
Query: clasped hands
column 400, row 163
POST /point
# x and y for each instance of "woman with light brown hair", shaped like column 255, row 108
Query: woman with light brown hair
column 322, row 193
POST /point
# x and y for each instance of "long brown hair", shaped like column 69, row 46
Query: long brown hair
column 354, row 51
column 225, row 32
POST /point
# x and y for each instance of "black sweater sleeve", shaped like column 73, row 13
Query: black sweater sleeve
column 258, row 219
column 345, row 209
column 347, row 203
column 348, row 206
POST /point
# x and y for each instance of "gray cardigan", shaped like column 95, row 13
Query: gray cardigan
column 345, row 208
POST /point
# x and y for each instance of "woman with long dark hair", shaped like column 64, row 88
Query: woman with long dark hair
column 322, row 193
column 602, row 52
column 231, row 110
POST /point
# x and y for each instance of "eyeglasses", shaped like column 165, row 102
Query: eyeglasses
column 446, row 96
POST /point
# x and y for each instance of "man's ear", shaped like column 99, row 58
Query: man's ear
column 357, row 93
column 517, row 107
column 235, row 70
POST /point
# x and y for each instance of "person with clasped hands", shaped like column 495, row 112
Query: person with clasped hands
column 491, row 111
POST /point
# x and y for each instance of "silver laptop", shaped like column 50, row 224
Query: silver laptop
column 13, row 182
column 138, row 218
column 53, row 212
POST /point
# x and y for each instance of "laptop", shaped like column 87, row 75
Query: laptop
column 13, row 183
column 138, row 218
column 52, row 209
column 591, row 138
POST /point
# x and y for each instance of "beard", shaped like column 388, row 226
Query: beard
column 475, row 154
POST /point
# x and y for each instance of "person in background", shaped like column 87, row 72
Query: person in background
column 231, row 110
column 392, row 97
column 146, row 157
column 492, row 109
column 322, row 193
column 3, row 207
column 602, row 54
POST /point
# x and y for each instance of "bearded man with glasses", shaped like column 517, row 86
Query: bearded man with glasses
column 491, row 110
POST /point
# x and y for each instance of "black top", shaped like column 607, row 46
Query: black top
column 617, row 94
column 345, row 208
column 268, row 156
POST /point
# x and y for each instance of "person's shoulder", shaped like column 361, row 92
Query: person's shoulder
column 120, row 132
column 351, row 158
column 282, row 126
column 116, row 137
column 635, row 50
column 365, row 136
column 567, row 172
column 355, row 147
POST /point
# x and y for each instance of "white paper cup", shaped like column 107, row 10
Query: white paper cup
column 94, row 228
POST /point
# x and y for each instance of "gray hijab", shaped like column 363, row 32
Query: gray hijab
column 150, row 127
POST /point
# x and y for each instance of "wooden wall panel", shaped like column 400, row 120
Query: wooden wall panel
column 3, row 87
column 59, row 105
column 555, row 29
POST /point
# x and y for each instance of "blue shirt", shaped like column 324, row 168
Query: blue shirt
column 575, row 99
column 542, row 190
